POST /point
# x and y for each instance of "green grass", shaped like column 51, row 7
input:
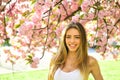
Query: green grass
column 30, row 75
column 110, row 71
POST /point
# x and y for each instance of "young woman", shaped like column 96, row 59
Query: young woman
column 72, row 61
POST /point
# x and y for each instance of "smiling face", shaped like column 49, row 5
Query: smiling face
column 72, row 39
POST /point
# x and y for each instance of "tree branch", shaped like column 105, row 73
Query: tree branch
column 54, row 6
column 58, row 2
column 5, row 5
column 117, row 22
column 65, row 9
column 58, row 20
column 79, row 9
column 47, row 35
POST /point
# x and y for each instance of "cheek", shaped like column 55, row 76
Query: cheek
column 66, row 40
column 78, row 41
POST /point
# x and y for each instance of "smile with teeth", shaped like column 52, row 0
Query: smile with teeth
column 72, row 45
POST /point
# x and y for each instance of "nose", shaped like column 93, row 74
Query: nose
column 72, row 40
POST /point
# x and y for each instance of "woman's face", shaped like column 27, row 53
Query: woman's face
column 72, row 39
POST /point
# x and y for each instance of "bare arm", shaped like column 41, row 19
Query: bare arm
column 95, row 70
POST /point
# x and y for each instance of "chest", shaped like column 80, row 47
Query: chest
column 73, row 75
column 69, row 66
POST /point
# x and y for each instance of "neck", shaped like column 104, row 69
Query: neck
column 71, row 59
column 72, row 55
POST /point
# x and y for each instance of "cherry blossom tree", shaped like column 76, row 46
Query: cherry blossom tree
column 28, row 25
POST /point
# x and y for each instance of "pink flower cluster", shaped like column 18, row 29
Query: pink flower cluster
column 85, row 5
column 35, row 62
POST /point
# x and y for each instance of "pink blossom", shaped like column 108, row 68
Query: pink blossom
column 85, row 5
column 35, row 62
column 75, row 18
column 25, row 28
column 62, row 10
column 90, row 16
column 23, row 55
column 65, row 3
column 63, row 16
column 117, row 12
column 55, row 1
column 1, row 41
column 11, row 24
column 83, row 22
column 38, row 10
column 101, row 49
column 59, row 30
column 100, row 33
column 112, row 33
column 1, row 17
column 17, row 57
column 74, row 6
column 35, row 18
column 110, row 28
column 6, row 51
column 30, row 16
column 101, row 14
column 104, row 40
column 34, row 65
column 49, row 3
column 1, row 28
column 53, row 43
column 104, row 13
column 118, row 30
column 69, row 11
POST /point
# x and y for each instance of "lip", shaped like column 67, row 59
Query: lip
column 72, row 45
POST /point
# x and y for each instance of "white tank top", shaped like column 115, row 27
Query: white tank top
column 73, row 75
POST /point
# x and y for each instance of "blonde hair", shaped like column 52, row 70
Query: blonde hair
column 82, row 56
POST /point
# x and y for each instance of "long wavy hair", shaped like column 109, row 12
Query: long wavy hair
column 61, row 56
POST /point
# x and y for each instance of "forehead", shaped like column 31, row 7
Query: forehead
column 72, row 31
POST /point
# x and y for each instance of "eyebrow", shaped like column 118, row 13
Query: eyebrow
column 74, row 35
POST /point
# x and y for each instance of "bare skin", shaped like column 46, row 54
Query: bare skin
column 73, row 42
column 93, row 67
column 70, row 64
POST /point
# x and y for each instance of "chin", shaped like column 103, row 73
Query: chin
column 71, row 50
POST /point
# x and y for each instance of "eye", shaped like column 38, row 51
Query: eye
column 78, row 37
column 68, row 37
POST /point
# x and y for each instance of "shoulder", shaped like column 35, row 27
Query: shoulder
column 94, row 68
column 92, row 61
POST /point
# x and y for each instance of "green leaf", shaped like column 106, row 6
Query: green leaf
column 17, row 25
column 6, row 43
column 100, row 8
column 80, row 2
column 81, row 16
column 6, row 18
column 30, row 56
column 95, row 18
column 29, row 61
column 33, row 1
column 26, row 13
column 97, row 3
